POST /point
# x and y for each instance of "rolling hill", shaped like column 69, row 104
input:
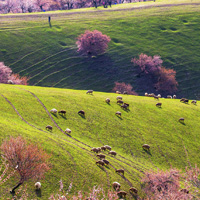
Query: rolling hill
column 49, row 55
column 25, row 112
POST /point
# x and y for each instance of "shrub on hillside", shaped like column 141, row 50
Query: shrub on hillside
column 121, row 87
column 162, row 78
column 6, row 74
column 92, row 43
column 29, row 161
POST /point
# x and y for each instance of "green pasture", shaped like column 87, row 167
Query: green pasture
column 172, row 144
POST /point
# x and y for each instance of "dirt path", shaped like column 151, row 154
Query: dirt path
column 93, row 11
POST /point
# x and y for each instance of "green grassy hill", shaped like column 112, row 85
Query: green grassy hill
column 49, row 55
column 172, row 143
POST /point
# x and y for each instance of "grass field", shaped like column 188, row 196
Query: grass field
column 49, row 55
column 172, row 143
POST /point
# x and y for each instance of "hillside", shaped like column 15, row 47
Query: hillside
column 49, row 55
column 172, row 143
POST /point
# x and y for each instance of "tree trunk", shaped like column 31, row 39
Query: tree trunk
column 13, row 190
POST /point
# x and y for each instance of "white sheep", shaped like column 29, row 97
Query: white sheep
column 117, row 92
column 68, row 131
column 53, row 111
column 169, row 96
column 37, row 185
column 119, row 97
column 174, row 96
column 146, row 94
column 10, row 82
column 107, row 100
column 159, row 95
column 89, row 92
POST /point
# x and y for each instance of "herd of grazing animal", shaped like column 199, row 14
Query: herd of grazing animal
column 102, row 161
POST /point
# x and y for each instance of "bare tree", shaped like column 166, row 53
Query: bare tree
column 29, row 161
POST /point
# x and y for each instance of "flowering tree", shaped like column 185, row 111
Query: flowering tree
column 6, row 74
column 92, row 43
column 29, row 161
column 121, row 87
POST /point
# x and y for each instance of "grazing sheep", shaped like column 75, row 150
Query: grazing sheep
column 159, row 105
column 89, row 92
column 185, row 191
column 124, row 106
column 113, row 153
column 38, row 185
column 81, row 112
column 106, row 161
column 125, row 92
column 120, row 102
column 174, row 96
column 108, row 147
column 133, row 190
column 156, row 97
column 182, row 99
column 62, row 112
column 118, row 113
column 181, row 120
column 101, row 156
column 119, row 98
column 10, row 82
column 159, row 96
column 103, row 148
column 96, row 150
column 169, row 96
column 146, row 94
column 194, row 102
column 122, row 194
column 53, row 111
column 68, row 131
column 107, row 100
column 186, row 101
column 48, row 127
column 146, row 147
column 127, row 104
column 118, row 92
column 151, row 95
column 120, row 171
column 100, row 162
column 116, row 186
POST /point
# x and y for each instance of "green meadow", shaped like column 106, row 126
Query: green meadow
column 172, row 144
column 49, row 55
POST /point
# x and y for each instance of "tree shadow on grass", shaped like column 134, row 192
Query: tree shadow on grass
column 38, row 193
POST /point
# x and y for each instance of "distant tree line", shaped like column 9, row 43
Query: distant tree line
column 28, row 6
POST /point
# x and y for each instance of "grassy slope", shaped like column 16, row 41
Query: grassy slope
column 49, row 55
column 144, row 123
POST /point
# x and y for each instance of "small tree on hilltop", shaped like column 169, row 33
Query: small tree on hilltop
column 92, row 43
column 29, row 161
column 121, row 87
column 167, row 80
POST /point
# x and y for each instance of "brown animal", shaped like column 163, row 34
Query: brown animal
column 48, row 127
column 106, row 161
column 133, row 190
column 186, row 101
column 81, row 112
column 116, row 186
column 181, row 120
column 122, row 194
column 120, row 171
column 185, row 191
column 103, row 148
column 182, row 100
column 146, row 147
column 124, row 106
column 120, row 102
column 62, row 112
column 96, row 150
column 194, row 102
column 127, row 104
column 108, row 147
column 100, row 162
column 118, row 113
column 101, row 156
column 156, row 97
column 113, row 153
column 159, row 105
